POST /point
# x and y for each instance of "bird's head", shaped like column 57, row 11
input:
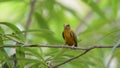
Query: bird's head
column 66, row 26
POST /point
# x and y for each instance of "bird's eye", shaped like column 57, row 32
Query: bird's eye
column 68, row 25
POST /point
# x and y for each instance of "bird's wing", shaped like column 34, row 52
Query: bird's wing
column 74, row 37
column 63, row 35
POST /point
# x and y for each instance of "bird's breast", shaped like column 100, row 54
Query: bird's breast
column 68, row 38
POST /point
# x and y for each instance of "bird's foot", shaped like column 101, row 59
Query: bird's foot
column 73, row 47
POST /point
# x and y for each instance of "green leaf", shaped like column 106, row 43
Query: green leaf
column 1, row 40
column 3, row 54
column 115, row 4
column 37, row 30
column 20, row 36
column 42, row 23
column 33, row 62
column 96, row 8
column 70, row 10
column 1, row 31
column 34, row 51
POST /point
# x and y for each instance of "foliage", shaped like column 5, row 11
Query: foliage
column 97, row 24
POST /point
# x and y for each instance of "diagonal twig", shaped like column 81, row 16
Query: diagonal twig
column 70, row 59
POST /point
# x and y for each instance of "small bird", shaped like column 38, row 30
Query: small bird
column 69, row 36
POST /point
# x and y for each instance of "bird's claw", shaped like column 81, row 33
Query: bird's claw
column 72, row 47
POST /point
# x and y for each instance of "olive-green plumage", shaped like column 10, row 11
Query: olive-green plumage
column 69, row 36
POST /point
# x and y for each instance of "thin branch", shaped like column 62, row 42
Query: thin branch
column 109, row 62
column 112, row 53
column 58, row 46
column 71, row 59
column 87, row 49
column 30, row 15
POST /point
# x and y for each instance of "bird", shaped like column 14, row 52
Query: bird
column 69, row 36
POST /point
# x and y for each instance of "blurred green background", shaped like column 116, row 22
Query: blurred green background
column 95, row 22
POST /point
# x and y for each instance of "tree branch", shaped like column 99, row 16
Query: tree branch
column 86, row 49
column 56, row 46
column 30, row 15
